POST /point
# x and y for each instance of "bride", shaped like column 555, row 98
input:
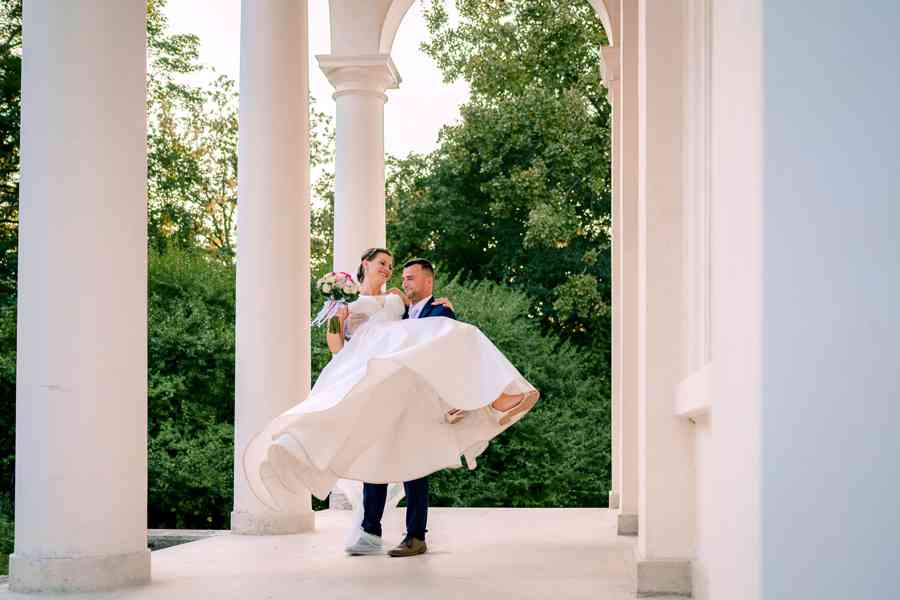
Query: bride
column 403, row 398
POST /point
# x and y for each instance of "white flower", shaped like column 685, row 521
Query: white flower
column 326, row 288
column 348, row 288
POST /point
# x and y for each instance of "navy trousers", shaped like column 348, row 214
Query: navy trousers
column 375, row 496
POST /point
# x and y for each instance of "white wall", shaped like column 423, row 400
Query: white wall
column 706, row 535
column 727, row 440
column 831, row 300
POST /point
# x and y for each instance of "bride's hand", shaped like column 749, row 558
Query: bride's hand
column 444, row 302
column 342, row 313
column 403, row 296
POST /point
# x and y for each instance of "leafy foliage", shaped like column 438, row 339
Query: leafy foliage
column 10, row 110
column 7, row 532
column 503, row 49
column 191, row 339
column 191, row 475
column 7, row 398
column 192, row 145
column 191, row 390
column 559, row 454
column 519, row 191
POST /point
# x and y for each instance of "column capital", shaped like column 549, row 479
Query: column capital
column 610, row 67
column 364, row 74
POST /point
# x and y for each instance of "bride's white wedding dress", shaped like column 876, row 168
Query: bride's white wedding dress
column 376, row 412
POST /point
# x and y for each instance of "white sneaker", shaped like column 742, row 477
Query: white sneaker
column 366, row 544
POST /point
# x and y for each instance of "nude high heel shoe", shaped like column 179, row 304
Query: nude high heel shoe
column 454, row 415
column 517, row 410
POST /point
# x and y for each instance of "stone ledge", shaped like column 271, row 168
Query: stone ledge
column 272, row 523
column 157, row 539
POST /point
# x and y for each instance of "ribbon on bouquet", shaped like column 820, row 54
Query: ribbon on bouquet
column 328, row 311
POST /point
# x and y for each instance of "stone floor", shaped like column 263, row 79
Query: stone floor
column 473, row 553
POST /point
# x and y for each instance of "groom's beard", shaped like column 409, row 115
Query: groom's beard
column 417, row 296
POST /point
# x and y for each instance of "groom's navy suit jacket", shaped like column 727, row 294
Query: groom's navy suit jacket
column 432, row 310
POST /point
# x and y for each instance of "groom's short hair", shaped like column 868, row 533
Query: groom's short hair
column 422, row 262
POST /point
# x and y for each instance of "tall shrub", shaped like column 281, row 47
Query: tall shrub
column 559, row 454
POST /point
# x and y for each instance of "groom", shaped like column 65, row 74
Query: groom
column 418, row 284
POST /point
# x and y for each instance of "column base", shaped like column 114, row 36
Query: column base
column 627, row 524
column 272, row 523
column 663, row 578
column 614, row 500
column 78, row 574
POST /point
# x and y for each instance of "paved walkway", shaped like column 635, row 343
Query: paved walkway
column 475, row 554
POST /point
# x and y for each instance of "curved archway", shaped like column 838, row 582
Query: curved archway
column 398, row 9
column 392, row 20
column 603, row 14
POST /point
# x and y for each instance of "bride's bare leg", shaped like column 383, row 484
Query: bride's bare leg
column 509, row 405
column 502, row 403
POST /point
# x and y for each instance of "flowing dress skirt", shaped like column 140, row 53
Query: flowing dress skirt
column 376, row 412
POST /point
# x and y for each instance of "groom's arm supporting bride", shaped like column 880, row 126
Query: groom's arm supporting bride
column 417, row 295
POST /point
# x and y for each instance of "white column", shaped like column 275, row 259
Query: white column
column 665, row 462
column 610, row 75
column 272, row 329
column 359, row 220
column 81, row 388
column 628, row 192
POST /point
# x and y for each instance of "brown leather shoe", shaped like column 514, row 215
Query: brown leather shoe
column 410, row 546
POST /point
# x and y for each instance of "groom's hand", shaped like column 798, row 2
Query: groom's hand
column 444, row 302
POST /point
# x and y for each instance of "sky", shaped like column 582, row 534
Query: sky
column 414, row 113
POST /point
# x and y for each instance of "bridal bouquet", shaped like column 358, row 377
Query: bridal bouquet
column 339, row 290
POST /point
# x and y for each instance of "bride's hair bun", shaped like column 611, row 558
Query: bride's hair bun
column 369, row 254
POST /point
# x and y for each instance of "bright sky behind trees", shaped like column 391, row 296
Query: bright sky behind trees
column 414, row 113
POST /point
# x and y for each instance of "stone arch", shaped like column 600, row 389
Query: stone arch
column 605, row 19
column 398, row 9
column 392, row 20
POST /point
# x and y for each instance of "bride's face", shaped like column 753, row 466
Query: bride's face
column 379, row 269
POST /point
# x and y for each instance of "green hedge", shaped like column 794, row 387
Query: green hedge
column 7, row 532
column 557, row 456
column 190, row 391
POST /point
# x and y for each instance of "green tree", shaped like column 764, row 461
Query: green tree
column 519, row 191
column 321, row 146
column 503, row 49
column 192, row 151
column 10, row 104
column 192, row 145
